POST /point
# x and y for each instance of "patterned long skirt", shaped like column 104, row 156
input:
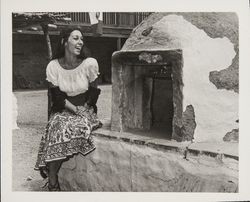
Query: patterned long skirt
column 67, row 134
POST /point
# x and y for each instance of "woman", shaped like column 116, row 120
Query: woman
column 72, row 78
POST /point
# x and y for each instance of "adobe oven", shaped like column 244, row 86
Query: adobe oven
column 147, row 91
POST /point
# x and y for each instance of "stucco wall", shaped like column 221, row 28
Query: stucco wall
column 209, row 42
column 14, row 112
column 215, row 110
column 123, row 164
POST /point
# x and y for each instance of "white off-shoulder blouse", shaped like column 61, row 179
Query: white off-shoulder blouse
column 75, row 81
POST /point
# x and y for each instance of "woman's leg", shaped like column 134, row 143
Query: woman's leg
column 53, row 171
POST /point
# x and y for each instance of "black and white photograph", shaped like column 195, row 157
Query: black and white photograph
column 138, row 101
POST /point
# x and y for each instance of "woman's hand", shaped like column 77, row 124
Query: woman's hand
column 87, row 106
column 84, row 111
column 80, row 110
column 87, row 112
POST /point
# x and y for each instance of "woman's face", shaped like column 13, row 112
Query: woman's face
column 74, row 43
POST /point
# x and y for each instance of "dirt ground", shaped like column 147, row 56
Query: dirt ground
column 31, row 120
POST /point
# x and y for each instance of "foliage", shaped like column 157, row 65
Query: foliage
column 42, row 18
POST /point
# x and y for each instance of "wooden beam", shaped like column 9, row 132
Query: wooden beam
column 119, row 44
column 108, row 31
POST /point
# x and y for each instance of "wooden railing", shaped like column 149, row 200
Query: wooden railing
column 124, row 19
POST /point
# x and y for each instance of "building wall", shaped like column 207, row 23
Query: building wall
column 30, row 59
column 102, row 49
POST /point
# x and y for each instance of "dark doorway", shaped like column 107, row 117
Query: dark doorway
column 162, row 105
column 148, row 92
column 160, row 86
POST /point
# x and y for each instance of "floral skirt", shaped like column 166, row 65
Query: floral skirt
column 67, row 134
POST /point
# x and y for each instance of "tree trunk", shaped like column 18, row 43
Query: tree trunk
column 47, row 38
column 49, row 49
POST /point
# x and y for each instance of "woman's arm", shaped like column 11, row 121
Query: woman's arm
column 93, row 94
column 59, row 99
column 94, row 84
column 70, row 106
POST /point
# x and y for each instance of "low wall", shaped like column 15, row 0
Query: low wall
column 124, row 162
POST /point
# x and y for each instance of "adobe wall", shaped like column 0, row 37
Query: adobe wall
column 209, row 43
column 128, row 164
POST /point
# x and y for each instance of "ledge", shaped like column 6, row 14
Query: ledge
column 214, row 149
column 140, row 57
column 210, row 149
column 108, row 30
column 132, row 162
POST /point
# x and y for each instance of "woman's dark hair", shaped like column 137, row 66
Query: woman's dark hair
column 64, row 35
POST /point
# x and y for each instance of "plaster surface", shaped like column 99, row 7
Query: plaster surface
column 216, row 110
column 128, row 165
column 14, row 112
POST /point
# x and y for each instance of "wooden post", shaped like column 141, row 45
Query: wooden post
column 117, row 19
column 49, row 49
column 119, row 44
column 47, row 38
